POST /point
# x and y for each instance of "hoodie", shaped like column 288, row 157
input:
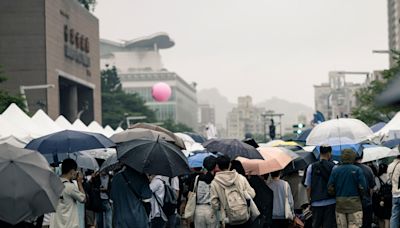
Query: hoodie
column 225, row 179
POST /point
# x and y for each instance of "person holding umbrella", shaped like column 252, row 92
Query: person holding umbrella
column 322, row 204
column 67, row 209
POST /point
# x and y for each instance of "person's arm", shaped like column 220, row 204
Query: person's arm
column 308, row 181
column 248, row 188
column 215, row 203
column 290, row 196
column 331, row 183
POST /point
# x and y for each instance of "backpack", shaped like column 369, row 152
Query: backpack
column 237, row 209
column 170, row 200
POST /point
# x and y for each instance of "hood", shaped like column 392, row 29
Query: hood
column 226, row 178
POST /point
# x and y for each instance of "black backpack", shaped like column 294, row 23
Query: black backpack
column 170, row 200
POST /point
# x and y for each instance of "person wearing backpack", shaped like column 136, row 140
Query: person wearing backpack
column 163, row 202
column 282, row 215
column 382, row 197
column 229, row 194
column 394, row 175
column 323, row 205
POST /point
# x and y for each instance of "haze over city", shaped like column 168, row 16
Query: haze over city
column 259, row 48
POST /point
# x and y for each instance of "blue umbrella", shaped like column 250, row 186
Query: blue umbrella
column 196, row 160
column 392, row 143
column 338, row 145
column 56, row 147
column 377, row 127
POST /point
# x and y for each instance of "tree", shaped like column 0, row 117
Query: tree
column 6, row 99
column 176, row 127
column 88, row 4
column 117, row 105
column 367, row 110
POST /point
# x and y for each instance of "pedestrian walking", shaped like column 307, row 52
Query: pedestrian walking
column 283, row 209
column 394, row 175
column 347, row 183
column 66, row 215
column 230, row 193
column 323, row 205
column 104, row 217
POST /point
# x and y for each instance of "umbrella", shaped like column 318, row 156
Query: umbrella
column 102, row 153
column 303, row 135
column 305, row 158
column 85, row 161
column 337, row 148
column 29, row 187
column 196, row 137
column 377, row 127
column 196, row 159
column 153, row 157
column 55, row 147
column 345, row 128
column 251, row 142
column 232, row 148
column 112, row 163
column 186, row 139
column 373, row 152
column 140, row 133
column 177, row 141
column 391, row 143
column 273, row 142
column 275, row 159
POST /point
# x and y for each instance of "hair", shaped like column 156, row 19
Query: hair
column 223, row 162
column 325, row 149
column 276, row 173
column 382, row 169
column 209, row 163
column 237, row 165
column 68, row 165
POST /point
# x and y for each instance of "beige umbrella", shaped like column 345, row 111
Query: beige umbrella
column 177, row 141
column 140, row 133
column 275, row 159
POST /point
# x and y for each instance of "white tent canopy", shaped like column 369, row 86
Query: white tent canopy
column 391, row 130
column 108, row 131
column 63, row 123
column 14, row 141
column 96, row 127
column 78, row 125
column 45, row 122
column 119, row 129
column 7, row 130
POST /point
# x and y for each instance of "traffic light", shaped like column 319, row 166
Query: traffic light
column 298, row 128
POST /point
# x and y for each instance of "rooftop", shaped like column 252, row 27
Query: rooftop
column 162, row 40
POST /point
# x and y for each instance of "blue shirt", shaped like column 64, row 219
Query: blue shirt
column 320, row 203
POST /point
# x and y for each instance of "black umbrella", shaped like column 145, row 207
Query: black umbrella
column 56, row 147
column 110, row 164
column 303, row 136
column 232, row 148
column 305, row 158
column 153, row 157
column 251, row 142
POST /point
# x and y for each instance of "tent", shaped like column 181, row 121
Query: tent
column 96, row 127
column 78, row 125
column 391, row 130
column 108, row 131
column 62, row 122
column 45, row 122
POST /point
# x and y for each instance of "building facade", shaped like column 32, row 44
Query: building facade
column 336, row 98
column 245, row 118
column 54, row 45
column 393, row 26
column 139, row 67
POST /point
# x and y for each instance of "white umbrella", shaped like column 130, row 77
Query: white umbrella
column 350, row 130
column 85, row 161
column 29, row 187
column 373, row 153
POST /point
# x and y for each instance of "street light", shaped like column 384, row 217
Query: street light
column 32, row 87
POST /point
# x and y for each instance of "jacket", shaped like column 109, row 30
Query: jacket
column 217, row 192
column 394, row 175
column 320, row 174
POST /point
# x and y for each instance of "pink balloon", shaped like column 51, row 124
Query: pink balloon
column 161, row 92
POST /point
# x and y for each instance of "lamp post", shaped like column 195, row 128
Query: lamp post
column 32, row 87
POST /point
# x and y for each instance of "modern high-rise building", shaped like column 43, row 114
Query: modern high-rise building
column 336, row 98
column 245, row 118
column 49, row 50
column 393, row 26
column 207, row 114
column 139, row 66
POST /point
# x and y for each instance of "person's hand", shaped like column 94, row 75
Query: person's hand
column 79, row 177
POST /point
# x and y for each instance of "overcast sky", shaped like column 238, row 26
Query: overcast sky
column 262, row 48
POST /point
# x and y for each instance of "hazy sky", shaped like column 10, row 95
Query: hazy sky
column 262, row 48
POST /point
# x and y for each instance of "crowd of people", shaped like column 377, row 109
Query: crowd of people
column 325, row 194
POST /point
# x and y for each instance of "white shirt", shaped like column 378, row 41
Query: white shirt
column 66, row 215
column 158, row 189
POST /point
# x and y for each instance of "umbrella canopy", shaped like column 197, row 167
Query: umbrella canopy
column 275, row 159
column 102, row 153
column 112, row 163
column 56, row 146
column 273, row 142
column 373, row 152
column 196, row 159
column 85, row 160
column 344, row 128
column 305, row 158
column 196, row 137
column 153, row 157
column 251, row 142
column 29, row 187
column 337, row 149
column 189, row 142
column 303, row 136
column 177, row 141
column 391, row 143
column 377, row 127
column 232, row 148
column 140, row 133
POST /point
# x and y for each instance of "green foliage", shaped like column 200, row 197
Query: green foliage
column 88, row 4
column 6, row 99
column 367, row 110
column 176, row 127
column 117, row 105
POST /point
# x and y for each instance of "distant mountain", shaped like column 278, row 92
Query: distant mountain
column 291, row 111
column 218, row 101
